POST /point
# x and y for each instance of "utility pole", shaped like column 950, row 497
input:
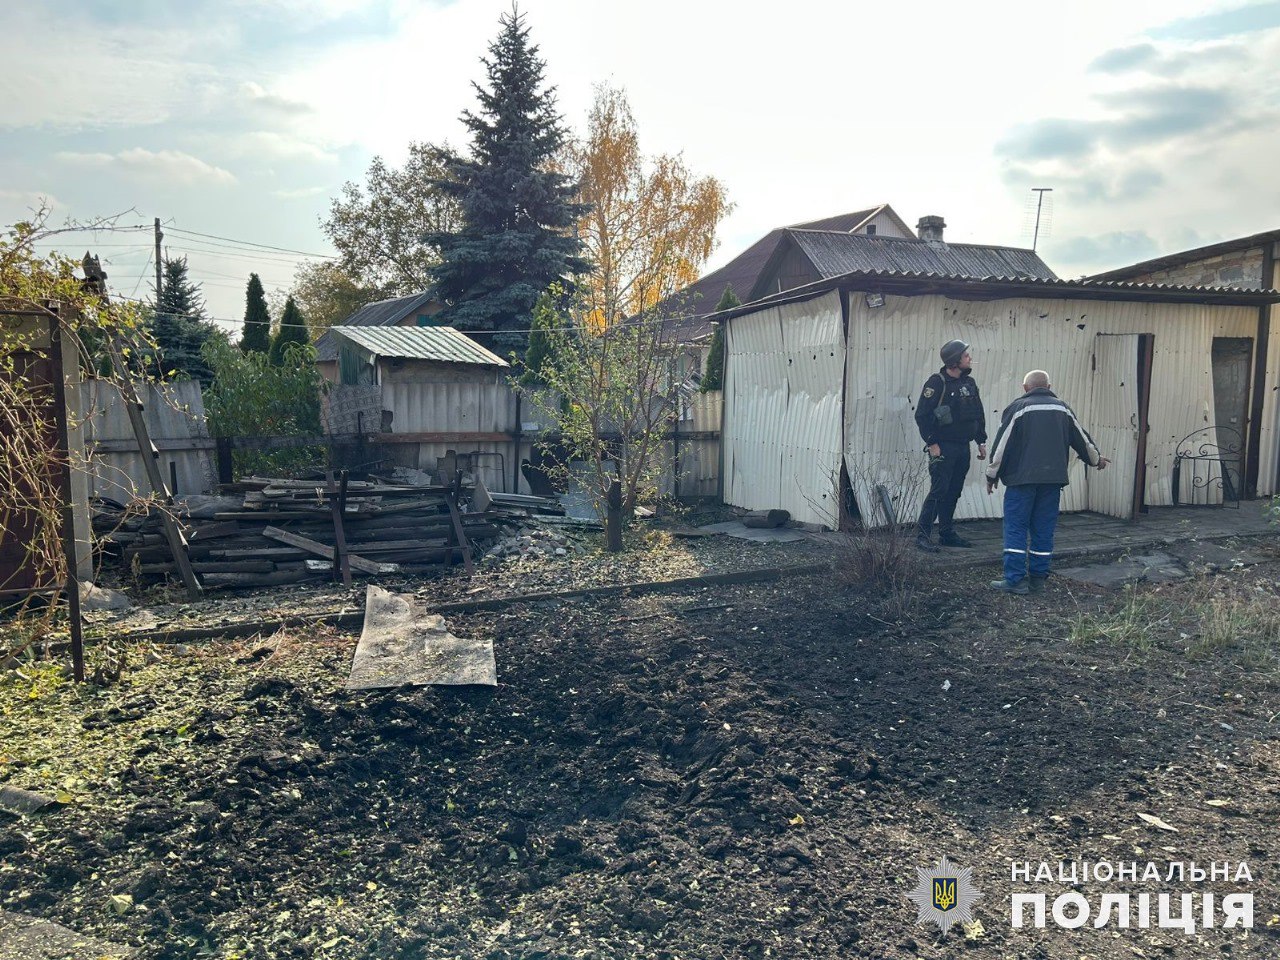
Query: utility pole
column 1035, row 237
column 159, row 262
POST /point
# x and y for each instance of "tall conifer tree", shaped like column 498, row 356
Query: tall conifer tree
column 518, row 213
column 179, row 324
column 293, row 329
column 257, row 320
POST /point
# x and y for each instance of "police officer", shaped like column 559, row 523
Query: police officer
column 950, row 417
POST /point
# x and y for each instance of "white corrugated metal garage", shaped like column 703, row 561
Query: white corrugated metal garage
column 789, row 406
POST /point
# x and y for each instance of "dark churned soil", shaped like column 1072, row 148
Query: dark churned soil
column 749, row 772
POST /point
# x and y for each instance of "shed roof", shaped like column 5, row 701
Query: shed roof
column 1189, row 256
column 384, row 313
column 441, row 344
column 997, row 288
column 835, row 253
column 695, row 301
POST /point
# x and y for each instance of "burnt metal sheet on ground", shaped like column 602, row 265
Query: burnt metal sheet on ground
column 30, row 938
column 404, row 644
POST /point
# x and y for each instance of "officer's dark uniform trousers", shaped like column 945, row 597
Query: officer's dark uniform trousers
column 946, row 482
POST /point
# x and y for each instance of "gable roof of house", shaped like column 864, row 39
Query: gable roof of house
column 834, row 253
column 695, row 301
column 384, row 313
column 1189, row 256
column 441, row 344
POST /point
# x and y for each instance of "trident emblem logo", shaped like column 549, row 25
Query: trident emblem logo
column 944, row 893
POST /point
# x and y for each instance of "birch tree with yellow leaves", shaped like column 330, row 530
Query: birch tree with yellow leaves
column 606, row 356
column 651, row 221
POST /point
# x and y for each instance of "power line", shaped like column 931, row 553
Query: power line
column 143, row 273
column 622, row 324
column 251, row 243
column 253, row 257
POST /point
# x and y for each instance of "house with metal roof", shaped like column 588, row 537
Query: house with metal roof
column 689, row 308
column 375, row 355
column 805, row 256
column 821, row 383
column 425, row 393
column 416, row 310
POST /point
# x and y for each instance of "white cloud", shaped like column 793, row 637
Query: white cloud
column 269, row 144
column 259, row 98
column 171, row 166
column 300, row 193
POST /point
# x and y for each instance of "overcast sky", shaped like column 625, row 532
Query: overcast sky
column 1155, row 123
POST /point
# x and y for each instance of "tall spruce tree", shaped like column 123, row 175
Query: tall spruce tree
column 179, row 324
column 293, row 330
column 713, row 378
column 257, row 320
column 516, row 237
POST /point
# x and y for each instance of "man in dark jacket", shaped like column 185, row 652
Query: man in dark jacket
column 1030, row 456
column 949, row 415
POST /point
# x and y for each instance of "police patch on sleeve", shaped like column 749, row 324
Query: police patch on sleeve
column 928, row 392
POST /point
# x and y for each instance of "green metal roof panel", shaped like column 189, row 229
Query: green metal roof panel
column 441, row 344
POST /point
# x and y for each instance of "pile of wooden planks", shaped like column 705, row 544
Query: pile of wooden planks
column 287, row 531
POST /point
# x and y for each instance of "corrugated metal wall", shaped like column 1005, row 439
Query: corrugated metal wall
column 483, row 404
column 1269, row 437
column 892, row 349
column 782, row 441
column 174, row 414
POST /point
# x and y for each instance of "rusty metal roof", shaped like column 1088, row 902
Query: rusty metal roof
column 441, row 344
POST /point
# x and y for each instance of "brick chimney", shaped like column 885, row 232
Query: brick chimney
column 930, row 229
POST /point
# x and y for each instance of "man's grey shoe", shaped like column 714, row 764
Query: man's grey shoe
column 1004, row 586
column 1036, row 584
column 927, row 545
column 952, row 540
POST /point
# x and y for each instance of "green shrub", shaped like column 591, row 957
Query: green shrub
column 252, row 397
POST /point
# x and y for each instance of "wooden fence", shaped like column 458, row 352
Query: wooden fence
column 174, row 414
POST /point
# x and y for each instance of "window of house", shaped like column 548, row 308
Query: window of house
column 871, row 229
column 429, row 321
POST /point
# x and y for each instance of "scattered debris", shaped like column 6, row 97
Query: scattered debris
column 95, row 599
column 1156, row 822
column 34, row 939
column 266, row 534
column 22, row 802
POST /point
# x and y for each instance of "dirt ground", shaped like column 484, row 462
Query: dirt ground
column 754, row 771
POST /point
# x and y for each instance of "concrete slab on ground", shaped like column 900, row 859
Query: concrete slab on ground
column 30, row 938
column 1166, row 543
column 1145, row 568
column 736, row 528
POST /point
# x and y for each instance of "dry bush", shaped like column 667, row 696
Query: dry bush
column 878, row 555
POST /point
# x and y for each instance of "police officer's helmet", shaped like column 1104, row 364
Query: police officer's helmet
column 952, row 351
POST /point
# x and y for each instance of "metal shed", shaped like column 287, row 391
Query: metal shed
column 824, row 379
column 436, row 391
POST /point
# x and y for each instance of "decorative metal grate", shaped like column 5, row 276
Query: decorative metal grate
column 1207, row 468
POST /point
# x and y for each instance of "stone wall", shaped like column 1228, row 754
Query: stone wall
column 1239, row 268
